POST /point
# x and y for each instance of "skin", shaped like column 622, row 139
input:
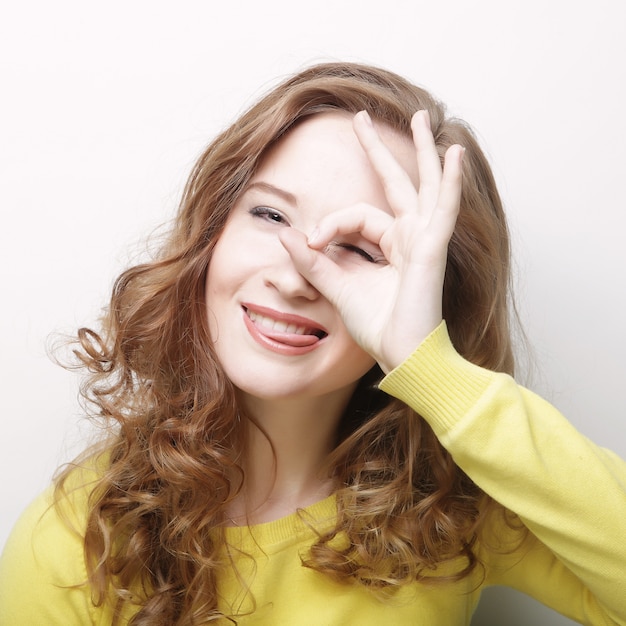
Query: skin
column 413, row 238
column 331, row 222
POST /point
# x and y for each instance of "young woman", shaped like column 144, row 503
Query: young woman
column 296, row 434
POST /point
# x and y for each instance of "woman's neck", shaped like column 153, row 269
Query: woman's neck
column 287, row 444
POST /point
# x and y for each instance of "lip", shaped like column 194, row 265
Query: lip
column 293, row 335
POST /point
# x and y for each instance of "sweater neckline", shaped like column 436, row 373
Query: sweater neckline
column 309, row 520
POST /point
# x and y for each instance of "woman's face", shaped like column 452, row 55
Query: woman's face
column 275, row 335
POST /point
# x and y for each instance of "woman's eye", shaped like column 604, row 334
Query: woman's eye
column 366, row 255
column 269, row 214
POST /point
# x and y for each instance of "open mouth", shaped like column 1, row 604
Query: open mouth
column 286, row 329
column 280, row 326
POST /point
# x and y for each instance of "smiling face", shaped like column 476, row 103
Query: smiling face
column 275, row 335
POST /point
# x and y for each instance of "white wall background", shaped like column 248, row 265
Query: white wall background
column 104, row 107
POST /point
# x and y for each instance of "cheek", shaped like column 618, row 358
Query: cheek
column 232, row 265
column 217, row 284
column 221, row 260
column 229, row 262
column 238, row 253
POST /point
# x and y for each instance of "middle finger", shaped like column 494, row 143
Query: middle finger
column 400, row 191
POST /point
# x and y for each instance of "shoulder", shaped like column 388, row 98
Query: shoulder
column 42, row 568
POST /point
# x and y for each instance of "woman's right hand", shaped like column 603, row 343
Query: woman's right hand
column 390, row 306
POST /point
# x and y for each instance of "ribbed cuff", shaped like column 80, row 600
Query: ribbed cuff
column 437, row 382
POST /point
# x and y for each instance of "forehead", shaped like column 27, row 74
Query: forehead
column 322, row 157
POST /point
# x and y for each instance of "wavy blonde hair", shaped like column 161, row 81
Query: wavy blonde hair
column 172, row 454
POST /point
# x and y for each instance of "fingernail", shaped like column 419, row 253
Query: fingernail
column 313, row 237
column 366, row 116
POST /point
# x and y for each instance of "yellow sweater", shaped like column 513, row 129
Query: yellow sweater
column 569, row 493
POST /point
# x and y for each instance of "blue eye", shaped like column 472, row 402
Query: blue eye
column 266, row 213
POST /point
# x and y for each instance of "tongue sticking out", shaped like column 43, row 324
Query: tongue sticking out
column 290, row 339
column 293, row 332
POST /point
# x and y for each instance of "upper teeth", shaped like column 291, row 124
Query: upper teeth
column 272, row 324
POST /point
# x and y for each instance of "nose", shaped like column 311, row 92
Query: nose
column 281, row 274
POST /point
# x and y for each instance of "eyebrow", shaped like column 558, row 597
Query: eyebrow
column 277, row 191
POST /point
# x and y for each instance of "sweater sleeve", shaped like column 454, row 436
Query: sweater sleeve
column 42, row 571
column 522, row 452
